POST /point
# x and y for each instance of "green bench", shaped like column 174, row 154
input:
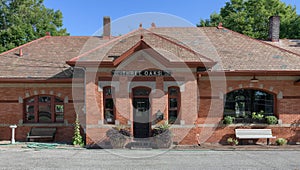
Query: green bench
column 41, row 133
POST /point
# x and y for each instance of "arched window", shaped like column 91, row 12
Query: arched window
column 43, row 109
column 243, row 102
column 174, row 104
column 108, row 105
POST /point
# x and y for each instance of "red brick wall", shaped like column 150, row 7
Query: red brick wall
column 222, row 133
column 11, row 111
column 210, row 109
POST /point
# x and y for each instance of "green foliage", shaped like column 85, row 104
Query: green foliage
column 228, row 120
column 251, row 17
column 77, row 138
column 22, row 21
column 271, row 120
column 281, row 141
column 160, row 129
column 232, row 141
column 258, row 116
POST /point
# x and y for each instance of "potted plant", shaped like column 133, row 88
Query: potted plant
column 118, row 136
column 162, row 136
column 232, row 141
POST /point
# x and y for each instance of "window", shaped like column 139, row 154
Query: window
column 108, row 105
column 243, row 102
column 174, row 104
column 44, row 109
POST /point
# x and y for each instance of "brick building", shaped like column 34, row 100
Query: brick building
column 191, row 77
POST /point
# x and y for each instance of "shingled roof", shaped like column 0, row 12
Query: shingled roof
column 47, row 56
column 170, row 48
column 234, row 51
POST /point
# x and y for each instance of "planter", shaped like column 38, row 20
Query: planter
column 162, row 136
column 261, row 121
column 250, row 120
column 163, row 140
column 118, row 137
column 118, row 143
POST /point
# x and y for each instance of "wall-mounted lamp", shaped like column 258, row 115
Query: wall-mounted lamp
column 254, row 80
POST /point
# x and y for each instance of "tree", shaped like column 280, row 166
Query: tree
column 251, row 17
column 22, row 21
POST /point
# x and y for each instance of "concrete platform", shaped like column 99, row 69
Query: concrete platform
column 205, row 146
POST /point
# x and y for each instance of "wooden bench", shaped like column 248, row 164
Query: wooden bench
column 41, row 133
column 254, row 134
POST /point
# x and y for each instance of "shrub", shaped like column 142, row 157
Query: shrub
column 271, row 120
column 77, row 138
column 232, row 141
column 228, row 120
column 258, row 116
column 281, row 141
column 160, row 129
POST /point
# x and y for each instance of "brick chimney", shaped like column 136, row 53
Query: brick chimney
column 274, row 28
column 106, row 27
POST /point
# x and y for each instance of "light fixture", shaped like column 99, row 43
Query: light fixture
column 254, row 80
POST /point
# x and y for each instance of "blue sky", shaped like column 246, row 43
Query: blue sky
column 85, row 17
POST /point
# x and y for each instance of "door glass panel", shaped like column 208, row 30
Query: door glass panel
column 29, row 108
column 45, row 113
column 173, row 91
column 107, row 91
column 173, row 103
column 30, row 117
column 31, row 100
column 59, row 117
column 109, row 103
column 172, row 116
column 44, row 99
column 58, row 100
column 141, row 92
column 109, row 116
column 59, row 108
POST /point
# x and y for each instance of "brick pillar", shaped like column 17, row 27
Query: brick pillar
column 274, row 29
column 122, row 101
column 106, row 27
column 189, row 103
column 159, row 100
column 93, row 112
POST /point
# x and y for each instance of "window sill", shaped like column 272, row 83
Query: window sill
column 250, row 124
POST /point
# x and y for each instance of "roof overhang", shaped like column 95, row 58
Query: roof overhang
column 252, row 73
column 39, row 80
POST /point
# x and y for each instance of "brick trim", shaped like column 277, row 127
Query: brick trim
column 9, row 101
column 291, row 97
column 209, row 97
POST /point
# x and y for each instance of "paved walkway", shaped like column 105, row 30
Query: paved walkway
column 125, row 159
column 205, row 146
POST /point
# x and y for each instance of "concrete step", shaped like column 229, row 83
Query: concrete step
column 141, row 144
